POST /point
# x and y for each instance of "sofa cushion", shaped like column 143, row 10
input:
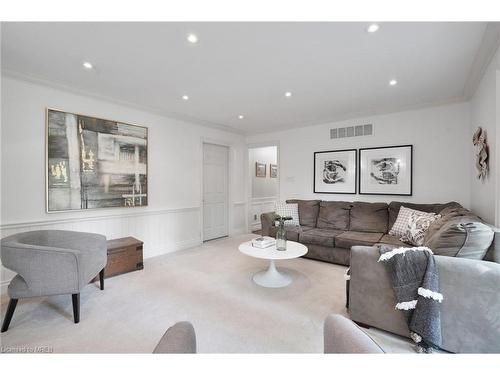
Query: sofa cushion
column 461, row 236
column 448, row 214
column 433, row 207
column 369, row 217
column 308, row 211
column 352, row 238
column 321, row 237
column 387, row 239
column 334, row 215
column 292, row 233
column 328, row 254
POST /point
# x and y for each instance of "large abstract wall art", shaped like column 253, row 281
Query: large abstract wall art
column 94, row 163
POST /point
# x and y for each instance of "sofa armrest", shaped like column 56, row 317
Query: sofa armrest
column 267, row 221
column 179, row 339
column 343, row 336
column 469, row 311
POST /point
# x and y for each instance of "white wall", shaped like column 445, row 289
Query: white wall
column 264, row 191
column 172, row 219
column 440, row 136
column 484, row 106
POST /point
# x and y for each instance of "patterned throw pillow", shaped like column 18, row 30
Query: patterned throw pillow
column 288, row 209
column 417, row 226
column 401, row 223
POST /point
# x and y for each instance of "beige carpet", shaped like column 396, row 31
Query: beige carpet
column 210, row 286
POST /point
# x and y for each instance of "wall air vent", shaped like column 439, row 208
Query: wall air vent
column 352, row 131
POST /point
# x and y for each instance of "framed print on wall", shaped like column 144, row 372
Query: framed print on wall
column 335, row 172
column 260, row 169
column 94, row 163
column 273, row 170
column 386, row 170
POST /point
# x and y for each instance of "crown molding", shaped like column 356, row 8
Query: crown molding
column 150, row 109
column 485, row 53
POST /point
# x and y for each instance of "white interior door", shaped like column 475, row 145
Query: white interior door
column 215, row 191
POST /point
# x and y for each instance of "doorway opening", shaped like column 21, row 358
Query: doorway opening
column 264, row 176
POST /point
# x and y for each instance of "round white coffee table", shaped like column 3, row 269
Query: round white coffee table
column 272, row 278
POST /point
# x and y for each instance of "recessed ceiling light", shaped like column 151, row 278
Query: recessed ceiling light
column 288, row 94
column 185, row 97
column 393, row 82
column 192, row 38
column 241, row 117
column 87, row 65
column 373, row 28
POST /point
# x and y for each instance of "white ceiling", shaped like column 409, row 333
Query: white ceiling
column 334, row 70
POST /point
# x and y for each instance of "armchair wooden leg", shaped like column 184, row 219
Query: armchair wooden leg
column 101, row 279
column 9, row 314
column 76, row 307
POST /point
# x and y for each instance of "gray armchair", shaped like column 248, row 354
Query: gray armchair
column 179, row 339
column 343, row 336
column 470, row 320
column 52, row 262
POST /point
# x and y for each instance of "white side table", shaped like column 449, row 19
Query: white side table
column 272, row 278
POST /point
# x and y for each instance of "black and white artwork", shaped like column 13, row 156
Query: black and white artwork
column 335, row 172
column 94, row 163
column 386, row 170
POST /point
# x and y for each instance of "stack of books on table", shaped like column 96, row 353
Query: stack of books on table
column 263, row 242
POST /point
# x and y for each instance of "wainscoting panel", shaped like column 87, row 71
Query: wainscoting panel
column 162, row 231
column 239, row 222
column 258, row 207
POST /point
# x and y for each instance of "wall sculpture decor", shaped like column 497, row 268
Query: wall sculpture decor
column 480, row 141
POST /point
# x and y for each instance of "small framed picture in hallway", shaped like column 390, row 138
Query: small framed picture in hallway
column 260, row 169
column 335, row 172
column 273, row 170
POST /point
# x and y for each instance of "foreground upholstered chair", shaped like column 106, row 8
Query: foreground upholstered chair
column 469, row 311
column 52, row 262
column 343, row 336
column 179, row 339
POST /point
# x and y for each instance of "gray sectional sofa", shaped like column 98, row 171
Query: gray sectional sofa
column 468, row 257
column 331, row 228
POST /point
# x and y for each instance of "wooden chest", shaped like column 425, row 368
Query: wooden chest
column 124, row 255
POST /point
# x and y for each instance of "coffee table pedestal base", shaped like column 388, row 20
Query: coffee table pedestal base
column 272, row 278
